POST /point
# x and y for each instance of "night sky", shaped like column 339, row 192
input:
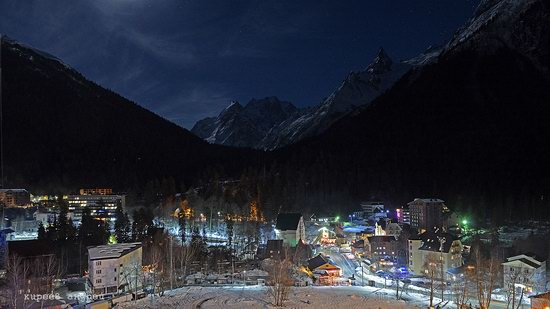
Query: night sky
column 186, row 60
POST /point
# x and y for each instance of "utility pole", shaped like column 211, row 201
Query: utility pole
column 1, row 128
column 362, row 274
column 442, row 241
column 210, row 224
column 171, row 263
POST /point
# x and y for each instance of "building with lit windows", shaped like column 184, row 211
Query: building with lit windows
column 526, row 271
column 373, row 210
column 403, row 215
column 115, row 269
column 427, row 213
column 15, row 197
column 382, row 249
column 102, row 206
column 438, row 243
column 100, row 191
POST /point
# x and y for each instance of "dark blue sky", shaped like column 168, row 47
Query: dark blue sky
column 186, row 60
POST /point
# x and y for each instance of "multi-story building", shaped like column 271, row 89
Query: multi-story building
column 45, row 217
column 427, row 213
column 15, row 197
column 443, row 246
column 526, row 272
column 290, row 228
column 100, row 191
column 382, row 249
column 403, row 215
column 115, row 269
column 372, row 208
column 385, row 227
column 102, row 206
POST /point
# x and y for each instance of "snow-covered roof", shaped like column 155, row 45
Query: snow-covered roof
column 529, row 260
column 426, row 200
column 112, row 251
column 13, row 190
column 255, row 273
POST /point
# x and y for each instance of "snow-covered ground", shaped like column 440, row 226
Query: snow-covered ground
column 257, row 297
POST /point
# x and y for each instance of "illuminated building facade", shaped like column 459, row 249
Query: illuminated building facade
column 427, row 213
column 15, row 197
column 444, row 246
column 115, row 269
column 102, row 206
column 96, row 191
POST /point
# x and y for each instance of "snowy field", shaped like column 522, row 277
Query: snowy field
column 257, row 297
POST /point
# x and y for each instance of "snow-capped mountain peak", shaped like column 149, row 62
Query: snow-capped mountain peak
column 381, row 64
column 244, row 126
column 269, row 123
column 490, row 29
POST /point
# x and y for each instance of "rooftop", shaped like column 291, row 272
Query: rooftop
column 528, row 259
column 431, row 240
column 112, row 251
column 13, row 190
column 426, row 200
column 545, row 295
column 317, row 261
column 382, row 238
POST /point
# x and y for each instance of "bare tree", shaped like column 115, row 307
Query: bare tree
column 279, row 281
column 485, row 274
column 186, row 255
column 132, row 276
column 157, row 269
column 51, row 271
column 460, row 293
column 431, row 270
column 16, row 279
column 512, row 279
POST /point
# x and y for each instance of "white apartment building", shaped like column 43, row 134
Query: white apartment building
column 526, row 272
column 437, row 243
column 114, row 269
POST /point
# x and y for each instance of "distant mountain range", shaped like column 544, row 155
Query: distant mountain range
column 482, row 32
column 467, row 122
column 471, row 127
column 270, row 123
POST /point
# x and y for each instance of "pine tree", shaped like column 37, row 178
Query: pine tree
column 121, row 225
column 63, row 223
column 198, row 242
column 51, row 231
column 127, row 227
column 143, row 222
column 71, row 231
column 182, row 221
column 103, row 232
column 41, row 231
column 87, row 227
column 229, row 226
